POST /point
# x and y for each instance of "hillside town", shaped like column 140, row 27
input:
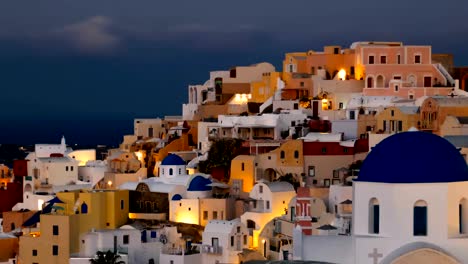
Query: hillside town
column 350, row 155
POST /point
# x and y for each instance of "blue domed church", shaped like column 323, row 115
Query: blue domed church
column 411, row 202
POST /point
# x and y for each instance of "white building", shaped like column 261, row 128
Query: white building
column 223, row 241
column 404, row 210
column 267, row 201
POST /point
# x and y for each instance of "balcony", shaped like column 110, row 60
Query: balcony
column 214, row 250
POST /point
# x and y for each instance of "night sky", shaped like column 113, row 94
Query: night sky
column 86, row 68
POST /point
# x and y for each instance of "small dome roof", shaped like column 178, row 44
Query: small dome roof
column 199, row 184
column 173, row 160
column 414, row 157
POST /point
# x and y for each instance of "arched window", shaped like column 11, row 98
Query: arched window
column 380, row 81
column 370, row 82
column 463, row 216
column 374, row 216
column 84, row 208
column 171, row 171
column 420, row 218
column 282, row 154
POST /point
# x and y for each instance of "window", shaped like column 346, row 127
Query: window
column 293, row 123
column 180, row 171
column 232, row 241
column 352, row 115
column 55, row 230
column 397, row 77
column 398, row 59
column 84, row 208
column 462, row 216
column 296, row 154
column 171, row 171
column 205, row 215
column 370, row 82
column 336, row 50
column 66, row 168
column 153, row 234
column 417, row 59
column 383, row 59
column 371, row 59
column 324, row 150
column 396, row 87
column 420, row 218
column 427, row 81
column 122, row 204
column 392, row 112
column 215, row 214
column 268, row 205
column 260, row 189
column 34, row 252
column 245, row 239
column 71, row 168
column 214, row 242
column 351, row 70
column 238, row 229
column 345, row 150
column 282, row 154
column 311, row 171
column 374, row 216
column 55, row 250
column 242, row 166
column 400, row 126
column 126, row 239
column 233, row 73
column 312, row 70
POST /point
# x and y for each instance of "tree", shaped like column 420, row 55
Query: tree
column 108, row 257
column 221, row 153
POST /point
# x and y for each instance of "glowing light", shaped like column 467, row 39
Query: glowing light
column 40, row 202
column 263, row 241
column 324, row 101
column 109, row 183
column 342, row 74
column 139, row 155
column 241, row 98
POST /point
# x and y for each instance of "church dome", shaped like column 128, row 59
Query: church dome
column 414, row 157
column 173, row 160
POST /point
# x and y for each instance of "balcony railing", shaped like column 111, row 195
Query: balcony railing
column 209, row 249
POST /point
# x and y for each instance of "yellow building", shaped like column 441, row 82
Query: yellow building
column 434, row 110
column 246, row 170
column 397, row 119
column 242, row 177
column 79, row 212
column 266, row 88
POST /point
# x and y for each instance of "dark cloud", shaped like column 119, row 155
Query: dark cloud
column 89, row 61
column 91, row 35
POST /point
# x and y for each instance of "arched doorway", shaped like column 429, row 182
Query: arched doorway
column 269, row 175
column 380, row 82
